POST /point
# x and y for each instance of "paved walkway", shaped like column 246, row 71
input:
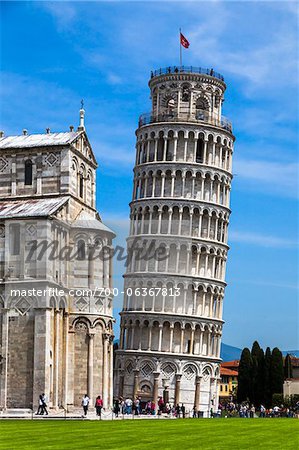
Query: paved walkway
column 75, row 415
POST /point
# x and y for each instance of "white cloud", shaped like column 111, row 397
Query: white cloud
column 113, row 78
column 261, row 240
column 65, row 13
column 270, row 177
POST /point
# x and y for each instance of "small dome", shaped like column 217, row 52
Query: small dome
column 88, row 221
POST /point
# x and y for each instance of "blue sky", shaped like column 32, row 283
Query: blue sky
column 55, row 53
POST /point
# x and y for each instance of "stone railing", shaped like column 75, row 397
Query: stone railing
column 200, row 117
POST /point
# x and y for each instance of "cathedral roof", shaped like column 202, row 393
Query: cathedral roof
column 30, row 207
column 87, row 221
column 38, row 140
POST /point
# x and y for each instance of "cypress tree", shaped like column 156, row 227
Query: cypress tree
column 277, row 372
column 267, row 378
column 259, row 386
column 288, row 369
column 255, row 355
column 244, row 378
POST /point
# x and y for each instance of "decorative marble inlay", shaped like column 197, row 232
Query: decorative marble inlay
column 31, row 229
column 22, row 306
column 3, row 163
column 51, row 159
column 81, row 304
column 168, row 370
column 146, row 370
column 189, row 371
column 129, row 368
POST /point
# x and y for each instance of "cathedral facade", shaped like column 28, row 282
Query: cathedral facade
column 56, row 334
column 171, row 322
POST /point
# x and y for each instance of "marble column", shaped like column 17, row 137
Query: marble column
column 177, row 389
column 56, row 357
column 136, row 383
column 121, row 382
column 156, row 389
column 90, row 365
column 66, row 357
column 197, row 393
column 105, row 370
column 4, row 361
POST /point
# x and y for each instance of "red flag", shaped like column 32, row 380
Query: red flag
column 184, row 42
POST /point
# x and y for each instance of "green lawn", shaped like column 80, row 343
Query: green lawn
column 216, row 434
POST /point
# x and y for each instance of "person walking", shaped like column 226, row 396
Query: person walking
column 44, row 404
column 40, row 406
column 183, row 409
column 98, row 406
column 85, row 404
column 177, row 411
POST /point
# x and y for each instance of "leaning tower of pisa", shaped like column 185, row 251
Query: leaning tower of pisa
column 171, row 322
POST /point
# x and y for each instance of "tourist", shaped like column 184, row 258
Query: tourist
column 116, row 407
column 85, row 404
column 137, row 406
column 98, row 406
column 183, row 409
column 40, row 406
column 252, row 412
column 276, row 411
column 168, row 408
column 194, row 412
column 44, row 405
column 123, row 405
column 160, row 406
column 148, row 407
column 153, row 408
column 262, row 411
column 128, row 406
column 177, row 411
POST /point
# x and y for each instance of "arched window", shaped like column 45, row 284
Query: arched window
column 81, row 185
column 199, row 150
column 81, row 250
column 202, row 108
column 28, row 172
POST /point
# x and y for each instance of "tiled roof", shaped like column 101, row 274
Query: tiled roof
column 295, row 361
column 30, row 208
column 231, row 364
column 228, row 372
column 38, row 140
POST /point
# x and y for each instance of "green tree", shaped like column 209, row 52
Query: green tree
column 288, row 369
column 260, row 382
column 245, row 377
column 267, row 378
column 277, row 372
column 257, row 374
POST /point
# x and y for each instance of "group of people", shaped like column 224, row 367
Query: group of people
column 245, row 410
column 98, row 405
column 126, row 406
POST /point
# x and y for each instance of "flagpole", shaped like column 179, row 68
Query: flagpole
column 180, row 50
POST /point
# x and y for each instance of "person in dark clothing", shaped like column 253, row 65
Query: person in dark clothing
column 116, row 407
column 177, row 411
column 183, row 409
column 44, row 405
column 40, row 406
